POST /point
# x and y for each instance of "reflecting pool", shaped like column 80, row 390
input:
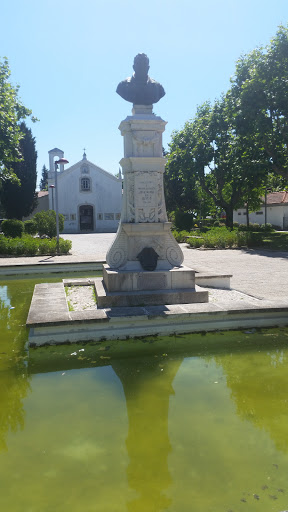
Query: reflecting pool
column 178, row 424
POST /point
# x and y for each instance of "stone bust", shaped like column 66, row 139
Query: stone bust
column 140, row 89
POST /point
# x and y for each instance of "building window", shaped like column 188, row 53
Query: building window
column 259, row 213
column 66, row 217
column 239, row 213
column 85, row 184
column 108, row 216
column 72, row 216
column 99, row 216
column 117, row 216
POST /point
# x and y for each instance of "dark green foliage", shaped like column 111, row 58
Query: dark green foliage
column 12, row 228
column 181, row 236
column 255, row 227
column 183, row 220
column 12, row 111
column 223, row 238
column 260, row 89
column 30, row 246
column 20, row 200
column 44, row 178
column 46, row 223
column 30, row 227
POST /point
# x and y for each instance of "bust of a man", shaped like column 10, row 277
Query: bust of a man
column 140, row 89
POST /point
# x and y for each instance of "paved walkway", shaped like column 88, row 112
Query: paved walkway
column 259, row 273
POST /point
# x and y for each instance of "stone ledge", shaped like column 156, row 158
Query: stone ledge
column 124, row 323
column 50, row 322
column 107, row 299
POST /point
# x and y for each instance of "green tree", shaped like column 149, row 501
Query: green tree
column 44, row 178
column 46, row 223
column 260, row 89
column 181, row 184
column 210, row 152
column 20, row 200
column 12, row 111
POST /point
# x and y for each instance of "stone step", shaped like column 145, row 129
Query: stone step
column 106, row 299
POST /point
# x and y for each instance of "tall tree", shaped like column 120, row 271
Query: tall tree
column 260, row 89
column 44, row 178
column 12, row 111
column 20, row 201
column 209, row 151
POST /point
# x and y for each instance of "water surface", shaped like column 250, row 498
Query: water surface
column 194, row 422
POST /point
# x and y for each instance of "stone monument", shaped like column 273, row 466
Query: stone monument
column 144, row 262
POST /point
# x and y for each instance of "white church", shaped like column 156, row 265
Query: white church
column 89, row 197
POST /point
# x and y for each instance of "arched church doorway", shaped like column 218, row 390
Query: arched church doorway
column 86, row 218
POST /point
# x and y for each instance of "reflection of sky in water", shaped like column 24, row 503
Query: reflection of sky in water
column 4, row 296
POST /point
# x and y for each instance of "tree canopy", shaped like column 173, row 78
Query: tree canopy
column 44, row 178
column 260, row 90
column 12, row 111
column 20, row 200
column 230, row 148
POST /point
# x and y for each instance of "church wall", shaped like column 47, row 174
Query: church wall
column 104, row 194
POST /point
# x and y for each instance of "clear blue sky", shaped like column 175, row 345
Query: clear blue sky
column 69, row 56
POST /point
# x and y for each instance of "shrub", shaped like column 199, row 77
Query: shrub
column 254, row 226
column 30, row 227
column 12, row 228
column 204, row 229
column 216, row 223
column 219, row 238
column 206, row 222
column 180, row 236
column 242, row 227
column 30, row 246
column 46, row 223
column 267, row 228
column 64, row 246
column 183, row 220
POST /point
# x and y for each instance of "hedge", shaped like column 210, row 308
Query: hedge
column 30, row 246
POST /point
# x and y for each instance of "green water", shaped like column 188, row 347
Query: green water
column 197, row 423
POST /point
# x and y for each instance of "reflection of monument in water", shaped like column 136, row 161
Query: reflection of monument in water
column 144, row 263
column 147, row 386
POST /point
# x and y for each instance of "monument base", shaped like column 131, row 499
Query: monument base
column 121, row 288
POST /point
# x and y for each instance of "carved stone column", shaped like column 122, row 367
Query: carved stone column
column 144, row 262
column 143, row 218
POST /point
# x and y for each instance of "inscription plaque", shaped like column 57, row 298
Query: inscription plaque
column 151, row 282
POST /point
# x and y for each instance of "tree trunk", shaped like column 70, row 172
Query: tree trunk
column 229, row 217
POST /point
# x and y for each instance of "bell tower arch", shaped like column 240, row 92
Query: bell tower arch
column 52, row 153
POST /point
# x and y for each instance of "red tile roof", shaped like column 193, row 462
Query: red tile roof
column 42, row 193
column 277, row 198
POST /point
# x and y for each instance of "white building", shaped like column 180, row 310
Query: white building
column 89, row 197
column 276, row 211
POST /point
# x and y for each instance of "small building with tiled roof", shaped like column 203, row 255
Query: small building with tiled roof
column 89, row 197
column 275, row 207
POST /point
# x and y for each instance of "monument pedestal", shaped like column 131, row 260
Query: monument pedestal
column 144, row 263
column 148, row 288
